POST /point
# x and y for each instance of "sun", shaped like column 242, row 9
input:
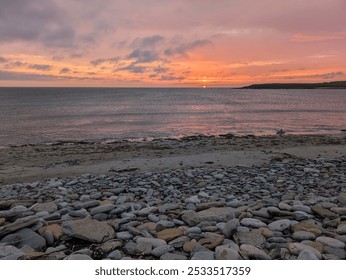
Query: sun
column 204, row 86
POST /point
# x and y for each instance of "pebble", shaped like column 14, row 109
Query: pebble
column 230, row 227
column 205, row 255
column 190, row 218
column 253, row 223
column 291, row 209
column 303, row 235
column 297, row 248
column 280, row 225
column 254, row 253
column 253, row 237
column 341, row 230
column 159, row 251
column 24, row 237
column 172, row 256
column 88, row 229
column 331, row 242
column 307, row 255
column 155, row 242
column 228, row 254
column 78, row 257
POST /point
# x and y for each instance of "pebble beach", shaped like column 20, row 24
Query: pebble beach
column 198, row 198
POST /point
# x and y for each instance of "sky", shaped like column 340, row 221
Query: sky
column 171, row 43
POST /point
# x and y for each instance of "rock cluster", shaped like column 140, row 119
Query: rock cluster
column 286, row 209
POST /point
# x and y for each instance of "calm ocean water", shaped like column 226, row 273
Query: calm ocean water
column 35, row 115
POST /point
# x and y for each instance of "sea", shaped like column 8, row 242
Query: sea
column 48, row 115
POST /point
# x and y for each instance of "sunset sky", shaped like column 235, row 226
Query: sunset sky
column 178, row 43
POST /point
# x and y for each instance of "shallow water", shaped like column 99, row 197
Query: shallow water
column 34, row 115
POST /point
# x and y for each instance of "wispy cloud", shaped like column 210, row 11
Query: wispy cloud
column 324, row 76
column 300, row 37
column 143, row 56
column 133, row 68
column 182, row 49
column 42, row 67
column 171, row 77
column 20, row 76
column 147, row 42
column 65, row 70
column 100, row 61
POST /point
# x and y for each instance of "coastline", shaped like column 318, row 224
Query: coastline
column 198, row 197
column 27, row 163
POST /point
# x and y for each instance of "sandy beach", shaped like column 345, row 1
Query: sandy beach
column 29, row 163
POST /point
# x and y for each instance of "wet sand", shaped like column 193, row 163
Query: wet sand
column 30, row 163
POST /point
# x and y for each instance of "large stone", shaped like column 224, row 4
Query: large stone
column 13, row 212
column 49, row 207
column 307, row 225
column 89, row 230
column 253, row 237
column 170, row 234
column 18, row 224
column 253, row 252
column 7, row 250
column 190, row 218
column 24, row 237
column 322, row 212
column 221, row 214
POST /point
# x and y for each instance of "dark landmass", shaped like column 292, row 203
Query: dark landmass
column 337, row 85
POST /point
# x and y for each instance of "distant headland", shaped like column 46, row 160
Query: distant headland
column 336, row 84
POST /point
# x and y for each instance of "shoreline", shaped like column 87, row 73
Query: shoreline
column 272, row 198
column 27, row 163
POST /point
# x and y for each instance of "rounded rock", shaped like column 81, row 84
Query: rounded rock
column 307, row 255
column 331, row 242
column 280, row 225
column 251, row 222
